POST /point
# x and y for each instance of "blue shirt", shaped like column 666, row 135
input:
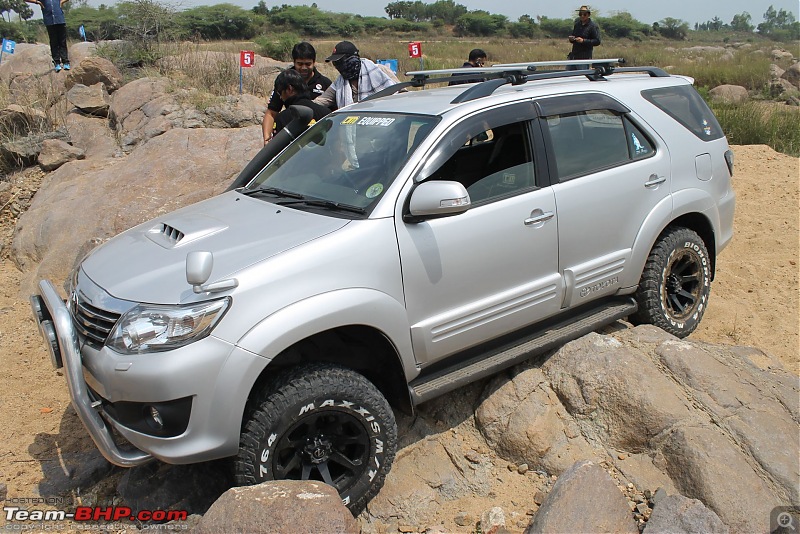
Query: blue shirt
column 52, row 12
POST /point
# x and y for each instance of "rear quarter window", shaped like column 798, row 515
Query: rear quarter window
column 688, row 108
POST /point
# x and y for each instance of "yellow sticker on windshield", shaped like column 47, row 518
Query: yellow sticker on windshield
column 374, row 190
column 350, row 120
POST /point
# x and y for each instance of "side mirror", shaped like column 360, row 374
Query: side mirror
column 198, row 270
column 437, row 198
column 198, row 267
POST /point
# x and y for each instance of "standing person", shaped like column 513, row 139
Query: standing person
column 477, row 58
column 584, row 37
column 304, row 58
column 293, row 91
column 358, row 77
column 56, row 25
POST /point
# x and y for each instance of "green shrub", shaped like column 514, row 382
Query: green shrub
column 278, row 46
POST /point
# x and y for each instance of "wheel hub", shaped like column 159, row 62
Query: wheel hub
column 317, row 449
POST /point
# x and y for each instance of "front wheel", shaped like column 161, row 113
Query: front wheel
column 320, row 422
column 674, row 287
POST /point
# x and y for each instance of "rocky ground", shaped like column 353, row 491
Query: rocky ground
column 450, row 472
column 46, row 452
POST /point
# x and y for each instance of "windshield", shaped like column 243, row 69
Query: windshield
column 345, row 160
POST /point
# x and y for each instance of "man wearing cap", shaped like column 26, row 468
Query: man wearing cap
column 358, row 77
column 584, row 37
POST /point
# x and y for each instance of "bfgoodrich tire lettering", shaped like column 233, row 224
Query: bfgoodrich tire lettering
column 320, row 422
column 673, row 291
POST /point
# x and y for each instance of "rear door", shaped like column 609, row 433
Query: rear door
column 609, row 173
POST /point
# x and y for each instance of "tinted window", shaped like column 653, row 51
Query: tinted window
column 492, row 164
column 687, row 107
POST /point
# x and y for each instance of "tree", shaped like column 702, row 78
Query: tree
column 20, row 7
column 672, row 28
column 779, row 24
column 742, row 22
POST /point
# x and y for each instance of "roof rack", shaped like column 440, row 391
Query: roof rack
column 512, row 73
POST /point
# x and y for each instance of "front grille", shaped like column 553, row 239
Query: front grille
column 92, row 323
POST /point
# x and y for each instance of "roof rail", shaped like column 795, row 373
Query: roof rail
column 512, row 73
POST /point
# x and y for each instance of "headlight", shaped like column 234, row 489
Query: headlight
column 149, row 328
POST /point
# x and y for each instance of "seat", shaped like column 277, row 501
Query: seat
column 508, row 169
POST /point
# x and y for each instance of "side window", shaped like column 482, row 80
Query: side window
column 687, row 107
column 588, row 141
column 639, row 146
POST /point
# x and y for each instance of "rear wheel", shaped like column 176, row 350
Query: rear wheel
column 675, row 284
column 320, row 422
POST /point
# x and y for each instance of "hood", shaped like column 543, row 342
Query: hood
column 148, row 262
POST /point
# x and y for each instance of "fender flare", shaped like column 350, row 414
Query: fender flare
column 333, row 309
column 670, row 208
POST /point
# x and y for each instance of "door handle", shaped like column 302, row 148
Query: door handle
column 655, row 180
column 546, row 216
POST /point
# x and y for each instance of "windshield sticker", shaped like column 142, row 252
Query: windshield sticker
column 374, row 190
column 375, row 121
column 350, row 120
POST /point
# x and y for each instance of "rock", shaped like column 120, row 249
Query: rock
column 583, row 499
column 99, row 199
column 780, row 55
column 539, row 497
column 775, row 72
column 493, row 520
column 615, row 392
column 733, row 94
column 780, row 86
column 92, row 135
column 279, row 506
column 56, row 152
column 659, row 495
column 3, row 492
column 20, row 121
column 23, row 151
column 94, row 70
column 463, row 519
column 677, row 514
column 92, row 100
column 27, row 59
column 524, row 422
column 792, row 75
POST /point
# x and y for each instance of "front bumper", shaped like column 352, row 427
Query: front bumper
column 214, row 376
column 55, row 324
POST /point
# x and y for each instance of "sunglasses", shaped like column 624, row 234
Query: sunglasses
column 582, row 13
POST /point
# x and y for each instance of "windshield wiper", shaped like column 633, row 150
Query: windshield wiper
column 273, row 191
column 328, row 204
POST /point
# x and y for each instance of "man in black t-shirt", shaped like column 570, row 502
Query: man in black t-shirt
column 293, row 91
column 304, row 57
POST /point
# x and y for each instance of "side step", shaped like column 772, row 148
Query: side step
column 490, row 362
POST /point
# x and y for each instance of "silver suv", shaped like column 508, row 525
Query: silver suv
column 396, row 250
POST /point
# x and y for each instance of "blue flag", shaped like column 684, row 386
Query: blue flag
column 8, row 46
column 82, row 32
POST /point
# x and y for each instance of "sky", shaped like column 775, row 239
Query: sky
column 648, row 12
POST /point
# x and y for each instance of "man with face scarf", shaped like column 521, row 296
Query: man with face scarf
column 358, row 78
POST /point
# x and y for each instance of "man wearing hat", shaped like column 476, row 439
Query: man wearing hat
column 358, row 77
column 584, row 37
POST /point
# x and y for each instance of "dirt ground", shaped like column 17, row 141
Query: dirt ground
column 754, row 302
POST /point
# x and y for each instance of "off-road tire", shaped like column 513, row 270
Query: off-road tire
column 318, row 422
column 674, row 287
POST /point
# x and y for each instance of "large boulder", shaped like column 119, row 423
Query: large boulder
column 583, row 499
column 96, row 200
column 56, row 152
column 524, row 422
column 280, row 506
column 792, row 75
column 733, row 94
column 677, row 514
column 94, row 70
column 92, row 100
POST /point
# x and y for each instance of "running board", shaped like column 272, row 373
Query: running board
column 488, row 363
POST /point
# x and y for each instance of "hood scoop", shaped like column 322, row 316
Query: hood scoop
column 184, row 229
column 172, row 235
